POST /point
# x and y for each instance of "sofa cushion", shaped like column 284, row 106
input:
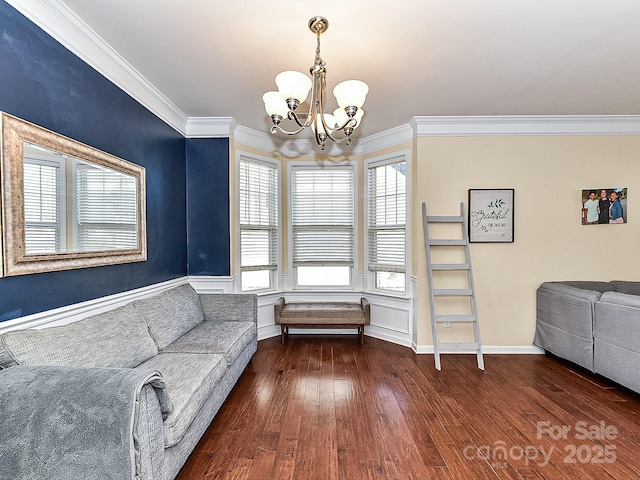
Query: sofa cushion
column 117, row 338
column 225, row 308
column 622, row 286
column 224, row 338
column 595, row 286
column 616, row 320
column 190, row 379
column 171, row 314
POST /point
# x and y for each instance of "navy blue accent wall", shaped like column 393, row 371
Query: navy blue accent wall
column 208, row 206
column 44, row 83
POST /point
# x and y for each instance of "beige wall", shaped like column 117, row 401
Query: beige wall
column 548, row 174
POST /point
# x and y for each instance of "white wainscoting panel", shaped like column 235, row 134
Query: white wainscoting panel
column 210, row 284
column 78, row 311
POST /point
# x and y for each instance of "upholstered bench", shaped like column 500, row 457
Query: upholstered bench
column 322, row 315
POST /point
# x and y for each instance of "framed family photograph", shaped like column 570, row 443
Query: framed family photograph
column 491, row 215
column 604, row 206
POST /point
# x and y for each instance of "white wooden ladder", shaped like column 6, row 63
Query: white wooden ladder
column 467, row 291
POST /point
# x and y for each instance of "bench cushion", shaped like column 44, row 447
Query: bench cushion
column 326, row 313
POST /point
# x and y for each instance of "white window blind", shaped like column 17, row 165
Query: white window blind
column 323, row 213
column 41, row 207
column 387, row 217
column 258, row 192
column 105, row 209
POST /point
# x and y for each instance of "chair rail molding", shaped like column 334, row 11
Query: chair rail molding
column 78, row 311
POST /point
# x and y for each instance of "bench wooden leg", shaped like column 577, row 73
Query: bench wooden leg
column 361, row 334
column 282, row 331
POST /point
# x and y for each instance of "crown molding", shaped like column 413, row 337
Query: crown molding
column 389, row 138
column 59, row 21
column 255, row 138
column 441, row 126
column 210, row 127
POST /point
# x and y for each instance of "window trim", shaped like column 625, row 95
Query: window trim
column 353, row 269
column 275, row 275
column 369, row 275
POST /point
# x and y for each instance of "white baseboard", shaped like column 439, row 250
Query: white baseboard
column 270, row 331
column 388, row 335
column 489, row 350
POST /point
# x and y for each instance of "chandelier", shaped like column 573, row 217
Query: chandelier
column 293, row 89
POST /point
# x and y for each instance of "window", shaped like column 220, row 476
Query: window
column 258, row 208
column 105, row 209
column 387, row 224
column 42, row 210
column 322, row 223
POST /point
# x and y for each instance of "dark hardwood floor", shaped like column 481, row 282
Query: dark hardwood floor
column 322, row 407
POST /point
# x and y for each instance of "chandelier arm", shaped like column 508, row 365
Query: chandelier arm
column 346, row 124
column 278, row 128
column 327, row 129
column 339, row 140
column 294, row 116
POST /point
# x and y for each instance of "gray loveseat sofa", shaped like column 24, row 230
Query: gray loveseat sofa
column 593, row 324
column 122, row 394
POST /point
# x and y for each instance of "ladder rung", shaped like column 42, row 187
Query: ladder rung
column 458, row 347
column 445, row 219
column 440, row 242
column 450, row 266
column 455, row 318
column 452, row 292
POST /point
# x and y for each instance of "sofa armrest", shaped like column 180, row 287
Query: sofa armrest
column 77, row 422
column 564, row 320
column 230, row 307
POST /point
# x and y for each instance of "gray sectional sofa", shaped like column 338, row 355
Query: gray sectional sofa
column 593, row 324
column 122, row 394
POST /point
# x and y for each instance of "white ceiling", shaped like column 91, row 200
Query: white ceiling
column 419, row 57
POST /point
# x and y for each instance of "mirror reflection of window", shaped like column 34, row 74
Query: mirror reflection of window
column 74, row 206
column 106, row 209
column 43, row 208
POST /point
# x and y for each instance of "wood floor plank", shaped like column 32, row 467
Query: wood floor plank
column 322, row 407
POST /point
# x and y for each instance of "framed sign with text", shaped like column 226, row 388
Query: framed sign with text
column 491, row 215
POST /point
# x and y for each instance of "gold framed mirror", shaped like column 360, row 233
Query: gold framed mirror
column 66, row 205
